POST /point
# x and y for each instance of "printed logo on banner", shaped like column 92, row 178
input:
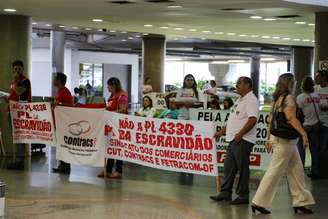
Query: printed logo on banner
column 79, row 140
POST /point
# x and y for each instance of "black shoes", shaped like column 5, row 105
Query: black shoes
column 240, row 201
column 303, row 210
column 220, row 198
column 61, row 170
column 260, row 209
column 16, row 166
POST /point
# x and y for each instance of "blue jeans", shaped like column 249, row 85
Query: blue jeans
column 313, row 135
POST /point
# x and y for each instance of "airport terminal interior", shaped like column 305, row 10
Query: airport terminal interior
column 97, row 52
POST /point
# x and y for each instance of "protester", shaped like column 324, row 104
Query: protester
column 309, row 102
column 241, row 134
column 82, row 98
column 285, row 159
column 19, row 91
column 215, row 103
column 147, row 88
column 89, row 88
column 117, row 102
column 322, row 89
column 172, row 112
column 147, row 109
column 188, row 97
column 206, row 86
column 63, row 98
column 76, row 94
column 227, row 103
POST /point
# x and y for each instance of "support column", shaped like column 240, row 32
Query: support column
column 255, row 74
column 321, row 42
column 57, row 47
column 153, row 57
column 301, row 64
column 15, row 41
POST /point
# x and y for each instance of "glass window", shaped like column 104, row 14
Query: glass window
column 91, row 77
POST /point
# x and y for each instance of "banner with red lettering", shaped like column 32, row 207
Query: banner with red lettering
column 79, row 133
column 181, row 146
column 259, row 158
column 32, row 123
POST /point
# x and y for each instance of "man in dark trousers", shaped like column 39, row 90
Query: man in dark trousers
column 19, row 91
column 241, row 134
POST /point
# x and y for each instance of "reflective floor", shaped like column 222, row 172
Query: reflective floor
column 143, row 193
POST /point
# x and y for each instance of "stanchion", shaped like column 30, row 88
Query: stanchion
column 2, row 198
column 218, row 183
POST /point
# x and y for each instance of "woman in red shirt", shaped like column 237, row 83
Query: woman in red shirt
column 117, row 102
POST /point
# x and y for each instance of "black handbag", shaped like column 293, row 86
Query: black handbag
column 280, row 127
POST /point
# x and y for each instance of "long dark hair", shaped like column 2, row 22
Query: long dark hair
column 116, row 83
column 194, row 87
column 150, row 100
column 283, row 86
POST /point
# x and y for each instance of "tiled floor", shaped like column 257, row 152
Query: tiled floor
column 143, row 193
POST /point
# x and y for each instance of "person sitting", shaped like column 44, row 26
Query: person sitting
column 227, row 103
column 172, row 112
column 82, row 98
column 147, row 109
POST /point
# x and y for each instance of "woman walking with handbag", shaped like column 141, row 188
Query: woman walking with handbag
column 285, row 130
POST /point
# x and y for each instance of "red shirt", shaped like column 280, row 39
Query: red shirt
column 120, row 98
column 24, row 82
column 64, row 97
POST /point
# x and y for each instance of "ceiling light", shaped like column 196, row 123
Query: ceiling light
column 75, row 28
column 174, row 6
column 192, row 30
column 255, row 17
column 300, row 22
column 306, row 40
column 313, row 41
column 243, row 35
column 112, row 31
column 286, row 38
column 311, row 24
column 203, row 38
column 236, row 61
column 138, row 36
column 266, row 37
column 130, row 38
column 62, row 26
column 124, row 40
column 176, row 39
column 48, row 25
column 206, row 31
column 270, row 19
column 88, row 28
column 164, row 27
column 219, row 33
column 124, row 32
column 255, row 36
column 220, row 62
column 178, row 28
column 97, row 20
column 145, row 34
column 34, row 23
column 268, row 59
column 9, row 10
column 148, row 25
column 231, row 34
column 296, row 39
column 276, row 38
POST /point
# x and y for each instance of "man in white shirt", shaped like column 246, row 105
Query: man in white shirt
column 241, row 134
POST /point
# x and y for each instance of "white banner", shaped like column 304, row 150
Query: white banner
column 182, row 146
column 259, row 158
column 79, row 134
column 32, row 123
